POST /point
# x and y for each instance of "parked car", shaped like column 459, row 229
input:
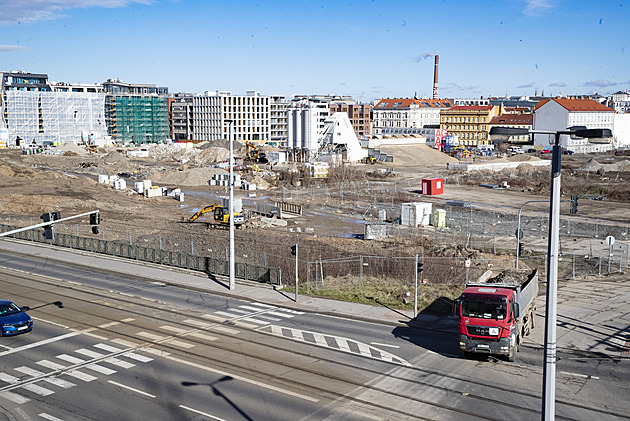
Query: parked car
column 568, row 152
column 546, row 151
column 13, row 319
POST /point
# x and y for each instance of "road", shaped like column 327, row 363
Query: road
column 107, row 346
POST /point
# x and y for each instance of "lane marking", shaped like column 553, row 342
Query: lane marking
column 14, row 397
column 244, row 379
column 108, row 348
column 152, row 336
column 179, row 344
column 247, row 319
column 132, row 389
column 49, row 417
column 72, row 373
column 228, row 315
column 385, row 345
column 226, row 330
column 127, row 320
column 106, row 325
column 50, row 323
column 202, row 336
column 40, row 343
column 585, row 376
column 104, row 358
column 202, row 413
column 52, row 380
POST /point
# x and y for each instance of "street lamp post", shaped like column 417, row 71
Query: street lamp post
column 231, row 209
column 549, row 369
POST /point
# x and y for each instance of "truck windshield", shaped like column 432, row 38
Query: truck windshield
column 484, row 309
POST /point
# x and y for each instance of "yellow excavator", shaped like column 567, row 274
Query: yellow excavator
column 221, row 215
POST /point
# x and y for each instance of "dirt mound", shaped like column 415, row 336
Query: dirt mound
column 523, row 158
column 188, row 177
column 591, row 165
column 113, row 158
column 416, row 155
column 72, row 147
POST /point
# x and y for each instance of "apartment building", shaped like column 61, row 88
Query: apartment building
column 470, row 123
column 33, row 112
column 250, row 115
column 136, row 113
column 180, row 116
column 560, row 113
column 359, row 115
column 407, row 115
column 278, row 106
column 513, row 120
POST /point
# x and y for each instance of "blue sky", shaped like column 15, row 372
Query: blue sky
column 364, row 48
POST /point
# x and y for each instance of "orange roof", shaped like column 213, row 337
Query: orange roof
column 512, row 119
column 472, row 108
column 576, row 104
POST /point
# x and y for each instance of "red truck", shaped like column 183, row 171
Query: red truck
column 495, row 315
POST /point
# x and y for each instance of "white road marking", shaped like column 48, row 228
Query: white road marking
column 213, row 317
column 197, row 323
column 320, row 339
column 202, row 336
column 248, row 319
column 50, row 323
column 14, row 397
column 586, row 376
column 268, row 318
column 244, row 379
column 110, row 360
column 364, row 415
column 385, row 345
column 108, row 348
column 202, row 413
column 243, row 311
column 278, row 314
column 297, row 334
column 364, row 349
column 124, row 342
column 226, row 330
column 52, row 380
column 127, row 320
column 49, row 417
column 40, row 343
column 132, row 389
column 228, row 315
column 72, row 373
column 250, row 308
column 179, row 344
column 244, row 325
column 175, row 329
column 106, row 325
column 343, row 344
column 263, row 305
column 152, row 336
column 91, row 366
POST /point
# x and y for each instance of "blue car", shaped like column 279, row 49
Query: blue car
column 13, row 319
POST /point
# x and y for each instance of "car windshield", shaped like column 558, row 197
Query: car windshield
column 484, row 309
column 10, row 308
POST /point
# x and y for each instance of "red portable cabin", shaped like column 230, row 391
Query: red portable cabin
column 432, row 186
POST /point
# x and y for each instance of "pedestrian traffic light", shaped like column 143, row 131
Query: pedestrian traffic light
column 574, row 204
column 294, row 250
column 95, row 220
column 420, row 267
column 49, row 233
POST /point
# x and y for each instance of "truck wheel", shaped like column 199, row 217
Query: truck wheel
column 512, row 355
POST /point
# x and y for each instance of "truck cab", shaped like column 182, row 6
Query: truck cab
column 488, row 321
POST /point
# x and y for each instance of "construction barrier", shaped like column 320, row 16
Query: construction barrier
column 203, row 264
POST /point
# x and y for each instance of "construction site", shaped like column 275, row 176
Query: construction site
column 355, row 239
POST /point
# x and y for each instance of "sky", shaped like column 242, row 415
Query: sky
column 367, row 49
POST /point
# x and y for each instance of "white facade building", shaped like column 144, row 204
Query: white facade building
column 561, row 113
column 251, row 114
column 407, row 116
column 620, row 102
column 621, row 134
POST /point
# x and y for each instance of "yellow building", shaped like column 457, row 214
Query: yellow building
column 471, row 123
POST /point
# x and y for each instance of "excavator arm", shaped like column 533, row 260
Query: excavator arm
column 201, row 211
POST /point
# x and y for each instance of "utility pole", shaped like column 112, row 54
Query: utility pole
column 231, row 184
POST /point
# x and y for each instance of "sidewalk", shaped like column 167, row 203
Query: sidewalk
column 199, row 282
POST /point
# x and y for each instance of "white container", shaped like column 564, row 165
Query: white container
column 416, row 214
column 138, row 186
column 103, row 179
column 147, row 184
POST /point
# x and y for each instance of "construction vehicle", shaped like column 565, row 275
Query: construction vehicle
column 221, row 215
column 254, row 153
column 494, row 316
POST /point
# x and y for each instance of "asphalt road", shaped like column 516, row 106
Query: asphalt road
column 109, row 347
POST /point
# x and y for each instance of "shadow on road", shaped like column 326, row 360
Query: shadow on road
column 435, row 328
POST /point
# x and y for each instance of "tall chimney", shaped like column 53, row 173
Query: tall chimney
column 435, row 77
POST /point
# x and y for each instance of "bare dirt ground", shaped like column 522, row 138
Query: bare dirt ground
column 34, row 184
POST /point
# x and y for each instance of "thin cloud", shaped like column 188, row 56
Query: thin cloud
column 424, row 56
column 9, row 48
column 558, row 84
column 601, row 83
column 42, row 10
column 537, row 7
column 527, row 85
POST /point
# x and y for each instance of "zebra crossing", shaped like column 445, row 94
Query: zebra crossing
column 76, row 368
column 261, row 317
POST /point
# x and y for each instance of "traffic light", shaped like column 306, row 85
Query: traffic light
column 294, row 250
column 574, row 204
column 49, row 231
column 420, row 267
column 46, row 217
column 95, row 220
column 520, row 248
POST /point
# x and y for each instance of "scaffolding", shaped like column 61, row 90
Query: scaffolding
column 137, row 119
column 53, row 117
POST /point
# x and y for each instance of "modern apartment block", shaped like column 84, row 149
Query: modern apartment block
column 34, row 113
column 180, row 116
column 278, row 106
column 250, row 115
column 136, row 113
column 470, row 123
column 360, row 115
column 407, row 115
